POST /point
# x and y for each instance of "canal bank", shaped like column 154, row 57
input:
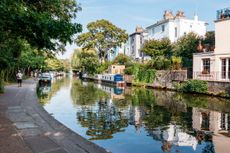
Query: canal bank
column 33, row 129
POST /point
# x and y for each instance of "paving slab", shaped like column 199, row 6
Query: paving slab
column 41, row 144
column 25, row 125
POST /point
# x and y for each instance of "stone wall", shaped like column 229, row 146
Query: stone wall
column 219, row 88
column 164, row 79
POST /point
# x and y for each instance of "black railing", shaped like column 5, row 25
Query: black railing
column 223, row 13
column 212, row 76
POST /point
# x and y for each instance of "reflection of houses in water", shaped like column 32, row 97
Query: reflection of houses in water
column 136, row 116
column 208, row 120
column 115, row 92
column 173, row 135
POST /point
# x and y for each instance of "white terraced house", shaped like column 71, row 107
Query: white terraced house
column 174, row 27
column 215, row 66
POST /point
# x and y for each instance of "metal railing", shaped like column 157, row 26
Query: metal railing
column 212, row 76
column 223, row 13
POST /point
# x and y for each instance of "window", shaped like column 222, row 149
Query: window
column 206, row 66
column 223, row 68
column 176, row 32
column 163, row 28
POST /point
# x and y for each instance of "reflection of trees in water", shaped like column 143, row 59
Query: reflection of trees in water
column 151, row 109
column 86, row 95
column 44, row 98
column 102, row 122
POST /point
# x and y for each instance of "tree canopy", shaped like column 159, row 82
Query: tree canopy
column 85, row 60
column 156, row 48
column 185, row 47
column 102, row 36
column 30, row 28
column 44, row 24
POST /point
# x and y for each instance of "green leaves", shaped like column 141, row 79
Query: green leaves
column 85, row 60
column 102, row 36
column 155, row 48
column 185, row 47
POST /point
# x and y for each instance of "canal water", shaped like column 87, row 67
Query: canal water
column 137, row 120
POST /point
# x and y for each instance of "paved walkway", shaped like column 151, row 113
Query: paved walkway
column 25, row 127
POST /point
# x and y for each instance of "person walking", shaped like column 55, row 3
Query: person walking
column 19, row 78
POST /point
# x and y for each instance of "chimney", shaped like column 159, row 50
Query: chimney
column 168, row 15
column 139, row 29
column 196, row 17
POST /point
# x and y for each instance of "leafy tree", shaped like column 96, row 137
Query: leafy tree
column 45, row 25
column 53, row 64
column 75, row 61
column 160, row 52
column 122, row 59
column 85, row 60
column 103, row 36
column 156, row 48
column 185, row 47
column 209, row 40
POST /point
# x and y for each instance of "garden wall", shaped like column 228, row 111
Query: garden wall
column 165, row 79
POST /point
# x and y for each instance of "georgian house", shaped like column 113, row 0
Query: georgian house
column 174, row 27
column 215, row 66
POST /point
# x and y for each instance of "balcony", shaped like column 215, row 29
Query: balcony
column 223, row 14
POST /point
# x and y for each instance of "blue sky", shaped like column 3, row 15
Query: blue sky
column 127, row 14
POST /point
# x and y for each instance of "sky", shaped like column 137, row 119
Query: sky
column 127, row 14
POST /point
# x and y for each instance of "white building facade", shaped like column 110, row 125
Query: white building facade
column 174, row 27
column 215, row 66
column 134, row 44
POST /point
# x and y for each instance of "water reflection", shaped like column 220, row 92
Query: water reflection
column 46, row 91
column 142, row 120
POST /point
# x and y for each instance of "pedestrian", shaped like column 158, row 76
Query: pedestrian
column 19, row 78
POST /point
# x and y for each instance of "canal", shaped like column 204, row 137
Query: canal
column 137, row 120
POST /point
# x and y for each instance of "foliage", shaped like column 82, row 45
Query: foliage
column 103, row 67
column 209, row 40
column 75, row 61
column 122, row 59
column 194, row 86
column 159, row 63
column 53, row 64
column 102, row 36
column 156, row 48
column 31, row 29
column 43, row 24
column 176, row 63
column 141, row 73
column 85, row 60
column 185, row 47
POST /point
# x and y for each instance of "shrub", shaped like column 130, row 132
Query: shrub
column 141, row 73
column 194, row 86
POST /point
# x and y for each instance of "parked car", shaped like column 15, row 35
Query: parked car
column 44, row 78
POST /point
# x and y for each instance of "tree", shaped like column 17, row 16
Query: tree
column 122, row 59
column 102, row 36
column 160, row 52
column 85, row 60
column 156, row 48
column 209, row 40
column 185, row 47
column 46, row 25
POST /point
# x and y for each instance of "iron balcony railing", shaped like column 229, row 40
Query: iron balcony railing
column 212, row 76
column 223, row 13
